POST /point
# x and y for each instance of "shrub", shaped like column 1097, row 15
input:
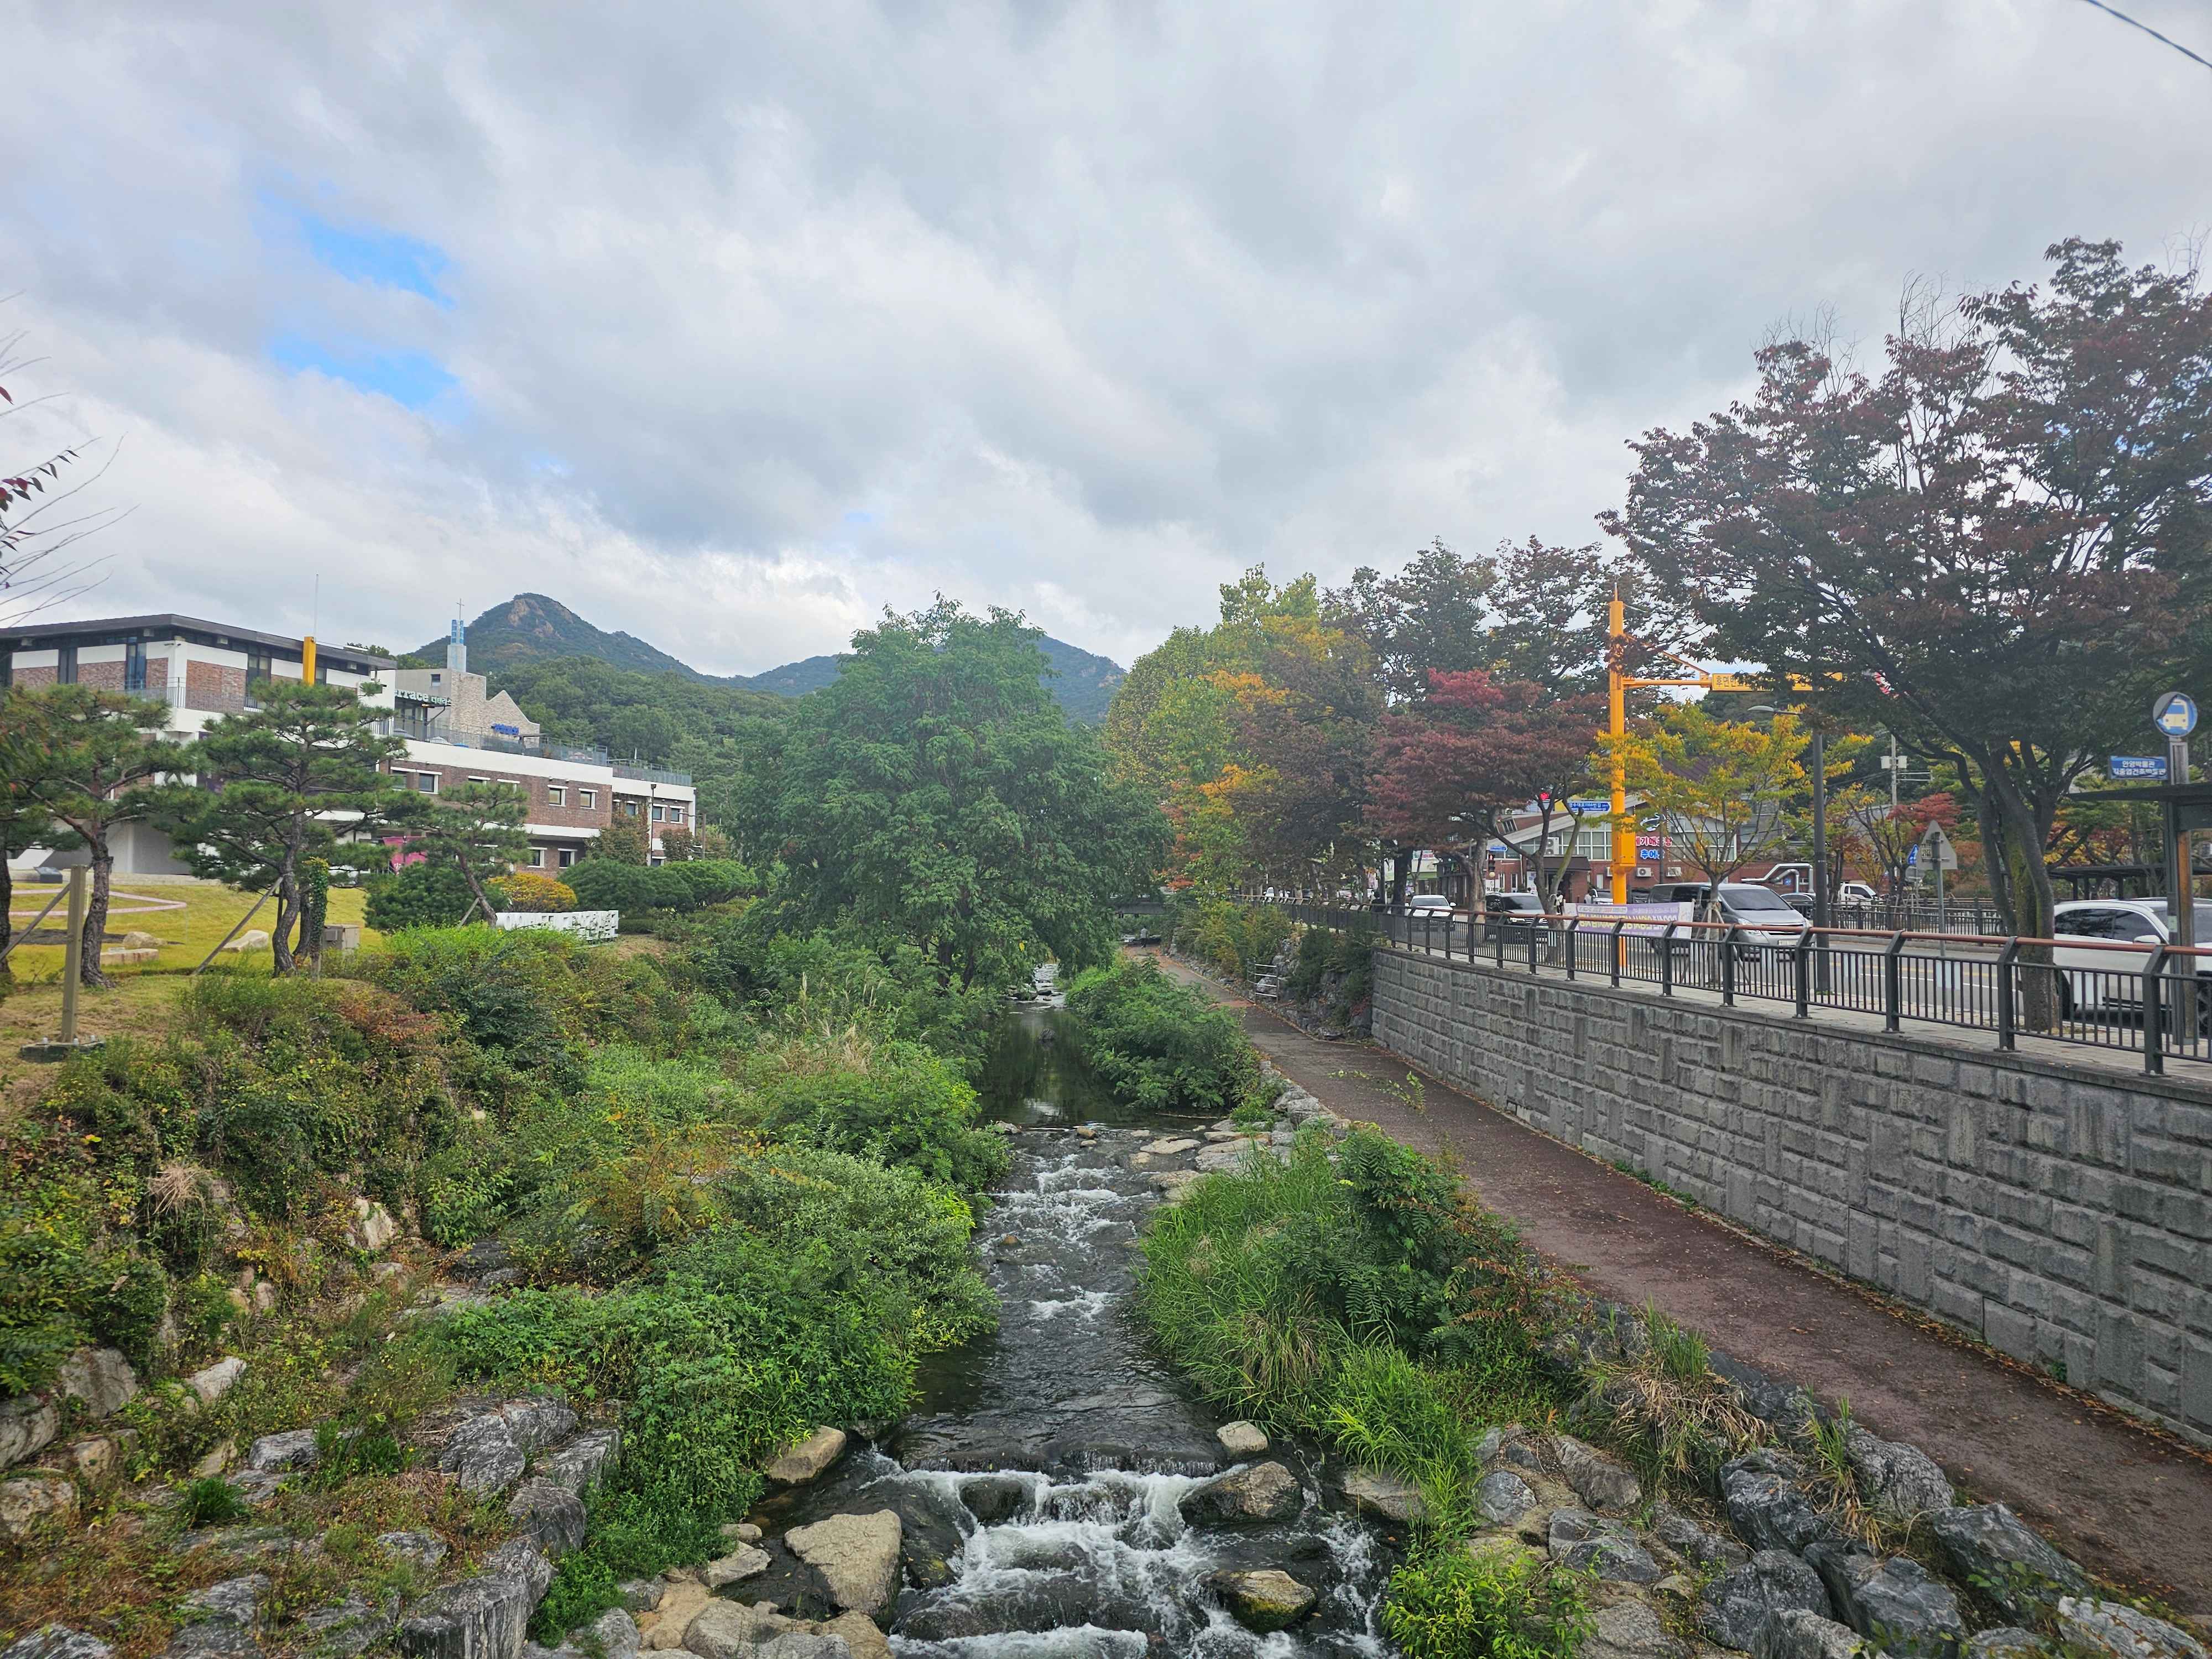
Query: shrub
column 418, row 894
column 607, row 884
column 1237, row 940
column 1346, row 958
column 1158, row 1043
column 526, row 890
column 892, row 1101
column 1449, row 1604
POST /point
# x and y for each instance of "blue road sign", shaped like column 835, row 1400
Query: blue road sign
column 2174, row 713
column 1587, row 805
column 2136, row 766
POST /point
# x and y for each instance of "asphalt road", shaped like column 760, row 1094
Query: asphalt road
column 2132, row 1504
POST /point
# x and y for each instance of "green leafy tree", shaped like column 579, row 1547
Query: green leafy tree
column 23, row 822
column 1723, row 788
column 476, row 828
column 101, row 752
column 623, row 841
column 277, row 786
column 935, row 791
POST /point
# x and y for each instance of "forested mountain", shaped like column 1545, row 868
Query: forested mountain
column 531, row 628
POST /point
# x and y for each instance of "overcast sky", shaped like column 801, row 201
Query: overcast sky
column 730, row 324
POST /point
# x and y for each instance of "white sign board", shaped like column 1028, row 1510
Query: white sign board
column 1645, row 919
column 1946, row 856
column 592, row 926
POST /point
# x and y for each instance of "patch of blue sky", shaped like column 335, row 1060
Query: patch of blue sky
column 411, row 379
column 369, row 253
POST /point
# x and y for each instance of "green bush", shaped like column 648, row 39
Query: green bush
column 1358, row 1298
column 1237, row 940
column 1448, row 1604
column 1160, row 1044
column 1349, row 958
column 604, row 883
column 822, row 981
column 892, row 1101
column 418, row 894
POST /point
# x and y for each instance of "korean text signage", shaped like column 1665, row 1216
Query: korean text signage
column 2137, row 766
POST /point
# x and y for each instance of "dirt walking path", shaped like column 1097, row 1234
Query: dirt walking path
column 2131, row 1504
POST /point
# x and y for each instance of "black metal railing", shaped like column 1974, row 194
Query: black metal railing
column 2154, row 1001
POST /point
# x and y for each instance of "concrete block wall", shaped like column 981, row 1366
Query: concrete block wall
column 2060, row 1213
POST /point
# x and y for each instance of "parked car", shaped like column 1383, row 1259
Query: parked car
column 1764, row 916
column 1428, row 904
column 1514, row 915
column 2111, row 981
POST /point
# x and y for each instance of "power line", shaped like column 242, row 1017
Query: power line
column 2147, row 29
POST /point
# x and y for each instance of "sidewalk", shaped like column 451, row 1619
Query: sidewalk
column 2130, row 1502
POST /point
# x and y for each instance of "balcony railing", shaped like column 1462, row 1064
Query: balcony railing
column 650, row 774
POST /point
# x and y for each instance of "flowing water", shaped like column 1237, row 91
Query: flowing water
column 1047, row 1459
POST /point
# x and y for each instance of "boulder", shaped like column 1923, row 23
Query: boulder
column 484, row 1617
column 56, row 1642
column 254, row 939
column 740, row 1531
column 613, row 1635
column 1696, row 1543
column 1794, row 1634
column 221, row 1617
column 2008, row 1642
column 730, row 1630
column 1769, row 1512
column 99, row 1379
column 742, row 1563
column 551, row 1515
column 421, row 1549
column 95, row 1462
column 27, row 1425
column 2109, row 1629
column 488, row 1448
column 214, row 1460
column 808, row 1458
column 31, row 1501
column 1394, row 1498
column 681, row 1601
column 1895, row 1602
column 294, row 1449
column 211, row 1384
column 581, row 1463
column 992, row 1498
column 1262, row 1599
column 1242, row 1441
column 1987, row 1546
column 1630, row 1629
column 1605, row 1549
column 1502, row 1498
column 1897, row 1481
column 1736, row 1607
column 1245, row 1498
column 804, row 1645
column 857, row 1555
column 859, row 1633
column 1597, row 1479
column 372, row 1227
column 640, row 1595
column 1170, row 1146
column 346, row 1627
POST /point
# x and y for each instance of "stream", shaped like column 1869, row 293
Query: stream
column 1045, row 1461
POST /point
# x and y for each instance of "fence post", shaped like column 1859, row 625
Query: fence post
column 1497, row 934
column 1801, row 963
column 1667, row 960
column 1893, row 982
column 1728, row 967
column 2007, row 1036
column 1613, row 944
column 2153, row 1007
column 1533, row 930
column 1573, row 922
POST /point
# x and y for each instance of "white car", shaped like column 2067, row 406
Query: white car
column 1764, row 916
column 2112, row 979
column 1428, row 904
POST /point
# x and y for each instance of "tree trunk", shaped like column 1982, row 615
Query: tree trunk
column 2032, row 899
column 89, row 971
column 287, row 916
column 469, row 875
column 7, row 902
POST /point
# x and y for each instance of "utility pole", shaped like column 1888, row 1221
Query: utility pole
column 1616, row 651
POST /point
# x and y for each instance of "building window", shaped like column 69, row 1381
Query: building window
column 631, row 807
column 474, row 778
column 134, row 666
column 426, row 783
column 65, row 665
column 676, row 815
column 256, row 668
column 588, row 799
column 557, row 794
column 656, row 813
column 566, row 855
column 537, row 858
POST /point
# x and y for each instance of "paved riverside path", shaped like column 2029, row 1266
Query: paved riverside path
column 2131, row 1504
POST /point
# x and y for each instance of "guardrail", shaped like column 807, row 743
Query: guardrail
column 649, row 774
column 2152, row 1001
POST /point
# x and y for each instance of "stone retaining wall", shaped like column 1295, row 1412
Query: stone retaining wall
column 2062, row 1214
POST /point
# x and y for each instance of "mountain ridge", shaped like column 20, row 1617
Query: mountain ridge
column 535, row 627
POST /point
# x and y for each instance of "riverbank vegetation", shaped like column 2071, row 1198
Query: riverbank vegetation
column 1160, row 1044
column 719, row 1220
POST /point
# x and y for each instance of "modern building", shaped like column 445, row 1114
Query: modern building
column 455, row 729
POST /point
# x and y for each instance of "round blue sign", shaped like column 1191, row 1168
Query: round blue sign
column 2174, row 713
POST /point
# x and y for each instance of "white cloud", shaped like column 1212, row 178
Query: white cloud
column 765, row 318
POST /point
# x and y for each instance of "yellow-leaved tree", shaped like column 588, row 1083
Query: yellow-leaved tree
column 1723, row 790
